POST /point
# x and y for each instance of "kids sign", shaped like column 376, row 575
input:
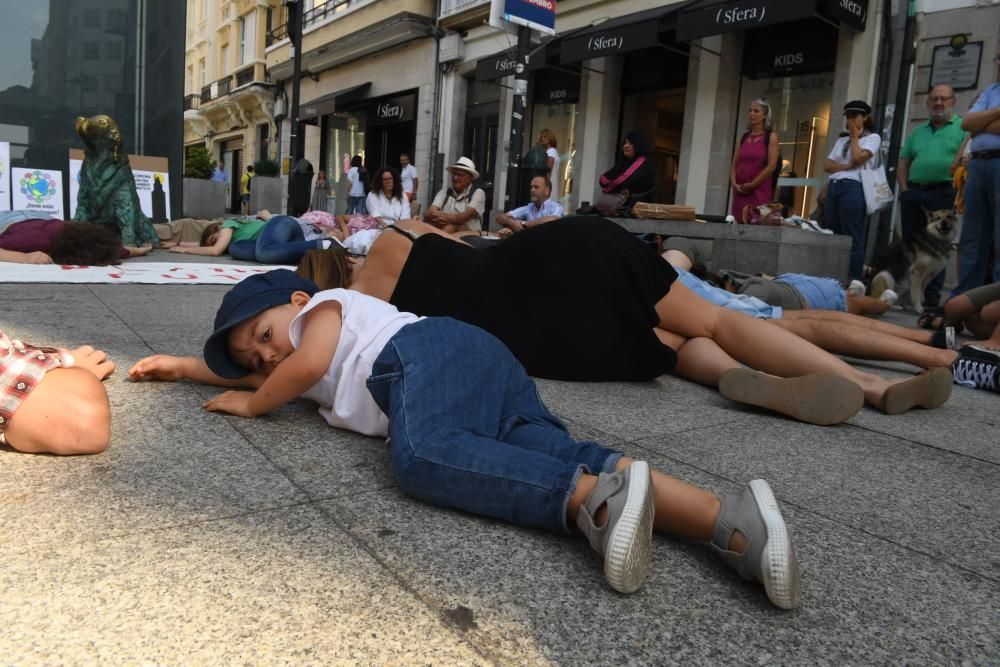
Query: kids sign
column 538, row 15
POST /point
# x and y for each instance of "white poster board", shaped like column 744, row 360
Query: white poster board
column 145, row 181
column 37, row 190
column 4, row 175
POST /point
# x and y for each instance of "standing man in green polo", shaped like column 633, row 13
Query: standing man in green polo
column 926, row 165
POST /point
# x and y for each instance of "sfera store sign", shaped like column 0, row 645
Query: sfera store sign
column 751, row 14
column 737, row 16
column 390, row 110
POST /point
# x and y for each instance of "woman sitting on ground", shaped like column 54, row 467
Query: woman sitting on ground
column 386, row 202
column 280, row 240
column 632, row 175
column 64, row 242
column 583, row 300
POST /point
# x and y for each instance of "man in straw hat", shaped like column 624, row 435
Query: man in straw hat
column 459, row 207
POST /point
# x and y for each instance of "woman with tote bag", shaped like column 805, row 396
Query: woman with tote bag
column 845, row 209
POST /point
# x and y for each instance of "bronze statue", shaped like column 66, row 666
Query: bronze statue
column 107, row 187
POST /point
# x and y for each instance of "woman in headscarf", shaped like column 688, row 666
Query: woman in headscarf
column 631, row 175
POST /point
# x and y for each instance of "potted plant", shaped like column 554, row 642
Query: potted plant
column 202, row 197
column 265, row 186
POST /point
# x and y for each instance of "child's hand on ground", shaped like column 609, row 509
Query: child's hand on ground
column 95, row 361
column 234, row 402
column 158, row 367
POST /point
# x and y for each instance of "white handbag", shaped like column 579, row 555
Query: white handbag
column 875, row 185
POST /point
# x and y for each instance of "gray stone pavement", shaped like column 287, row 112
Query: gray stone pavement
column 203, row 539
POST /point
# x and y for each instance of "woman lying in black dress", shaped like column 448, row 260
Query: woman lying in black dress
column 581, row 299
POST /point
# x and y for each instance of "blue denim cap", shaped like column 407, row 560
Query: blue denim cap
column 249, row 297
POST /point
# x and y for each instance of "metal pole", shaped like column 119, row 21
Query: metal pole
column 512, row 196
column 295, row 148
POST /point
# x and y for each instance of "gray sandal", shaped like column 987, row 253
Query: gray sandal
column 769, row 556
column 625, row 539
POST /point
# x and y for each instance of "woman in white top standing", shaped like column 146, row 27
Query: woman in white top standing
column 844, row 208
column 386, row 201
column 548, row 141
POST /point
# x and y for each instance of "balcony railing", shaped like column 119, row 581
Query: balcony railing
column 225, row 85
column 245, row 76
column 206, row 94
column 452, row 7
column 192, row 102
column 314, row 15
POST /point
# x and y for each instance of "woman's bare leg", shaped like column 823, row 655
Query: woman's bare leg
column 773, row 350
column 848, row 339
column 818, row 398
column 986, row 325
column 866, row 305
column 867, row 323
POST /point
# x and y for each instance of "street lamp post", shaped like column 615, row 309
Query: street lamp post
column 296, row 148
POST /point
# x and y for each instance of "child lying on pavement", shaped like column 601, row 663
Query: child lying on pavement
column 378, row 371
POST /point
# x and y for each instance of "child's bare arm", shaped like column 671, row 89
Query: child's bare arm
column 169, row 368
column 296, row 373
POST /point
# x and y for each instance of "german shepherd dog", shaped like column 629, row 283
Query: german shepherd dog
column 909, row 265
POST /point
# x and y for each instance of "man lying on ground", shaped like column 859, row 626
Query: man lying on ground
column 52, row 400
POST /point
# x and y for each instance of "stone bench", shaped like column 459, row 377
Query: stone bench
column 758, row 249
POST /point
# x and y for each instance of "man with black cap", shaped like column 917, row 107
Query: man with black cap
column 982, row 203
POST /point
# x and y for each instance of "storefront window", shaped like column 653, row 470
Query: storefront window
column 560, row 120
column 800, row 113
column 345, row 138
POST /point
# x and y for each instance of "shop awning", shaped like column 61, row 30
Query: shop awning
column 704, row 18
column 502, row 64
column 327, row 104
column 619, row 35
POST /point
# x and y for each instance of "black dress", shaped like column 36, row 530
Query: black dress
column 573, row 299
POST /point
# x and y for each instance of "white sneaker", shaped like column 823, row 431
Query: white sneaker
column 856, row 288
column 890, row 297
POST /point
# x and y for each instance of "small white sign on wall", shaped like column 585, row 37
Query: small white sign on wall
column 37, row 190
column 4, row 175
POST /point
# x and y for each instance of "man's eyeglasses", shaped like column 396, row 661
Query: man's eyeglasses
column 940, row 99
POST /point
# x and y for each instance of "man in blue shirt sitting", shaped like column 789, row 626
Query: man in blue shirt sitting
column 538, row 212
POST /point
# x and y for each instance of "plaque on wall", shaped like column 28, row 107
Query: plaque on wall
column 957, row 64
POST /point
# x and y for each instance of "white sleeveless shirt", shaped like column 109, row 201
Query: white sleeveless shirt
column 368, row 324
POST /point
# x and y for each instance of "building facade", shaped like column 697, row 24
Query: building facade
column 229, row 98
column 683, row 72
column 366, row 89
column 69, row 58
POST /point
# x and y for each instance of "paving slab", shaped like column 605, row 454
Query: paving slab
column 929, row 500
column 276, row 587
column 198, row 538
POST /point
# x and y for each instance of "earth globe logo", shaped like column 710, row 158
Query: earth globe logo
column 38, row 186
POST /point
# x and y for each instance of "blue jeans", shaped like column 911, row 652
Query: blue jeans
column 911, row 207
column 819, row 293
column 468, row 431
column 280, row 242
column 845, row 213
column 356, row 205
column 980, row 226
